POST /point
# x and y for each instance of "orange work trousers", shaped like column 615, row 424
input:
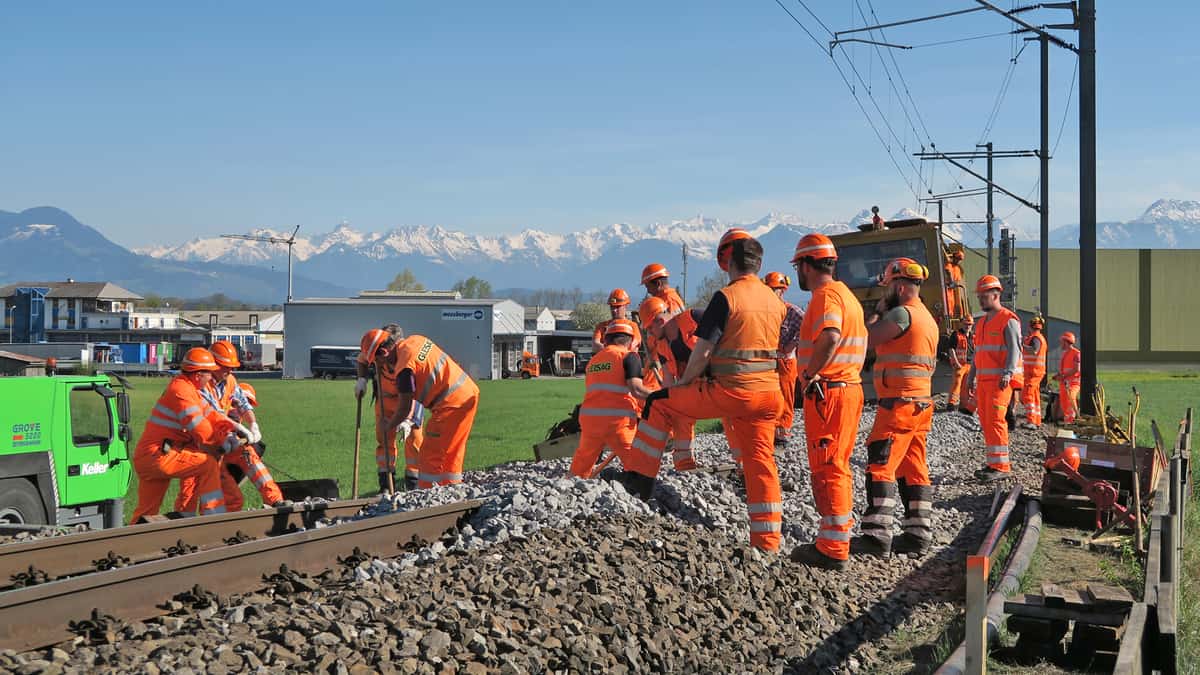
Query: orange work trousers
column 1068, row 401
column 1031, row 399
column 252, row 467
column 787, row 384
column 156, row 470
column 412, row 452
column 597, row 433
column 957, row 385
column 683, row 432
column 753, row 415
column 992, row 401
column 903, row 429
column 447, row 428
column 831, row 428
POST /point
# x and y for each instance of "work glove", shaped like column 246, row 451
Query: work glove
column 231, row 443
column 242, row 432
column 255, row 434
column 360, row 387
column 404, row 429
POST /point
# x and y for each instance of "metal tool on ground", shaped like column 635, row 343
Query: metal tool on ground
column 1102, row 493
column 1134, row 407
column 600, row 466
column 357, row 446
column 561, row 439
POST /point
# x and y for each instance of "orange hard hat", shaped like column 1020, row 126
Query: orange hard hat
column 815, row 245
column 618, row 298
column 1069, row 456
column 1037, row 321
column 1069, row 337
column 619, row 327
column 225, row 354
column 198, row 359
column 969, row 320
column 248, row 390
column 372, row 340
column 777, row 280
column 650, row 308
column 727, row 239
column 987, row 283
column 904, row 268
column 653, row 271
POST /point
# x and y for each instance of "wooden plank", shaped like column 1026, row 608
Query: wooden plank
column 1053, row 596
column 1153, row 564
column 1129, row 657
column 1109, row 618
column 1106, row 596
column 976, row 628
column 1165, row 651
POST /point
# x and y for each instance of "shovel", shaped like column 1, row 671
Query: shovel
column 357, row 445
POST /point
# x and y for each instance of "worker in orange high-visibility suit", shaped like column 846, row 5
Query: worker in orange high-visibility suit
column 674, row 338
column 183, row 438
column 954, row 282
column 960, row 362
column 421, row 371
column 1034, row 348
column 833, row 347
column 618, row 305
column 608, row 415
column 904, row 336
column 228, row 398
column 386, row 397
column 737, row 340
column 789, row 338
column 1069, row 377
column 657, row 281
column 996, row 371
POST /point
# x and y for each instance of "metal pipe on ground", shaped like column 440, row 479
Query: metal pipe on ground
column 992, row 539
column 1018, row 562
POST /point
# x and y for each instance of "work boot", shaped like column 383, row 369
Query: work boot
column 949, row 407
column 908, row 544
column 865, row 544
column 989, row 475
column 383, row 482
column 808, row 554
column 637, row 485
column 964, row 411
column 410, row 483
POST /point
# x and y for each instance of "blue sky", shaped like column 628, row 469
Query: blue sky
column 159, row 122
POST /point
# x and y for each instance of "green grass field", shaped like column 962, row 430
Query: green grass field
column 308, row 426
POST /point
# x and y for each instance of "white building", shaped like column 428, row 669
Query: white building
column 485, row 337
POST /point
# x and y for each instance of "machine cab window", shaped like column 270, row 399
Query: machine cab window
column 91, row 423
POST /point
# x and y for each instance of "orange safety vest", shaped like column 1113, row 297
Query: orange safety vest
column 834, row 305
column 1070, row 361
column 1035, row 354
column 904, row 366
column 962, row 348
column 606, row 393
column 674, row 302
column 438, row 377
column 990, row 352
column 184, row 419
column 687, row 332
column 225, row 400
column 745, row 356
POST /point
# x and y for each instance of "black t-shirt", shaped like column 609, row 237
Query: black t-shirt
column 406, row 382
column 712, row 324
column 633, row 365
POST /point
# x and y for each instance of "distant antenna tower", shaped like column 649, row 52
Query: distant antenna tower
column 290, row 241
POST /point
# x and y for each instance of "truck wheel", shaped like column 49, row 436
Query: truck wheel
column 525, row 375
column 21, row 503
column 330, row 376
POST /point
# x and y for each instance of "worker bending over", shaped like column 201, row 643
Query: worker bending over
column 904, row 336
column 833, row 347
column 421, row 371
column 386, row 399
column 228, row 398
column 1034, row 348
column 618, row 305
column 960, row 363
column 995, row 372
column 789, row 337
column 1069, row 376
column 737, row 341
column 674, row 338
column 608, row 416
column 183, row 438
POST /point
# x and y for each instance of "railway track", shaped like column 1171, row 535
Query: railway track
column 40, row 615
column 28, row 563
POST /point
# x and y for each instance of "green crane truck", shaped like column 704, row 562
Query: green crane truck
column 64, row 451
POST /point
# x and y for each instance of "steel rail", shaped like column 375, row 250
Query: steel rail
column 38, row 616
column 73, row 554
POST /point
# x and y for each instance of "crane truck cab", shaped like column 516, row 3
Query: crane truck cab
column 64, row 451
column 863, row 255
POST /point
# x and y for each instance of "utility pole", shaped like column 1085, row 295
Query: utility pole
column 1087, row 201
column 683, row 290
column 1044, row 246
column 991, row 242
